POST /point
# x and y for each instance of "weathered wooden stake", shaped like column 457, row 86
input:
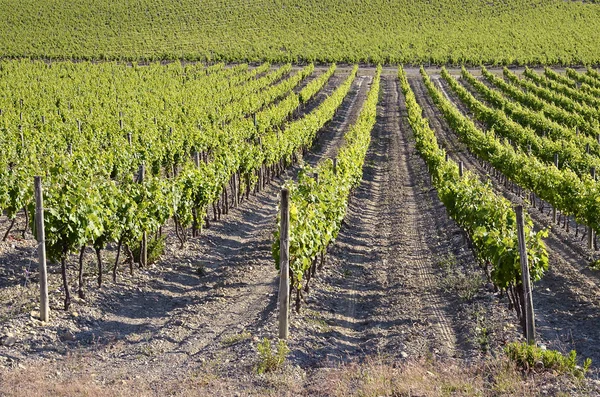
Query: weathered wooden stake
column 460, row 168
column 335, row 166
column 41, row 238
column 284, row 265
column 554, row 207
column 197, row 159
column 590, row 231
column 129, row 138
column 529, row 314
column 144, row 244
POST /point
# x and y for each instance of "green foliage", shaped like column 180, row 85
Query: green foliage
column 91, row 196
column 271, row 359
column 318, row 205
column 533, row 358
column 156, row 247
column 488, row 219
column 348, row 31
column 568, row 188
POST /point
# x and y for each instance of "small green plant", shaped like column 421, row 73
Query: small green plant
column 156, row 247
column 483, row 338
column 268, row 360
column 533, row 358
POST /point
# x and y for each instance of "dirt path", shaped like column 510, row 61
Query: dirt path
column 567, row 299
column 385, row 289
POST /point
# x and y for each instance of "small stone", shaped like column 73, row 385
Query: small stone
column 404, row 354
column 74, row 314
column 539, row 365
column 178, row 322
column 7, row 340
column 67, row 336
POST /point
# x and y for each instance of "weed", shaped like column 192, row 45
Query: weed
column 268, row 360
column 533, row 358
column 456, row 281
column 156, row 247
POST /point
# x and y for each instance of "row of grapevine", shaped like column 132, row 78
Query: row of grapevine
column 488, row 219
column 562, row 188
column 523, row 115
column 582, row 78
column 569, row 154
column 549, row 92
column 89, row 204
column 562, row 85
column 319, row 199
column 532, row 101
column 593, row 73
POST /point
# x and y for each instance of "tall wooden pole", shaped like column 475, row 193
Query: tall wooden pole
column 590, row 231
column 554, row 219
column 144, row 244
column 41, row 238
column 284, row 265
column 529, row 314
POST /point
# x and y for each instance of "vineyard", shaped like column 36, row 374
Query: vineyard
column 523, row 32
column 415, row 199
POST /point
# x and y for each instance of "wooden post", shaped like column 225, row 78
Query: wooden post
column 447, row 157
column 41, row 238
column 197, row 159
column 335, row 166
column 129, row 138
column 590, row 231
column 460, row 168
column 529, row 314
column 554, row 207
column 587, row 148
column 144, row 244
column 284, row 265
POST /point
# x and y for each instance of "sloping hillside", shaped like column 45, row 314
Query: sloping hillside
column 402, row 31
